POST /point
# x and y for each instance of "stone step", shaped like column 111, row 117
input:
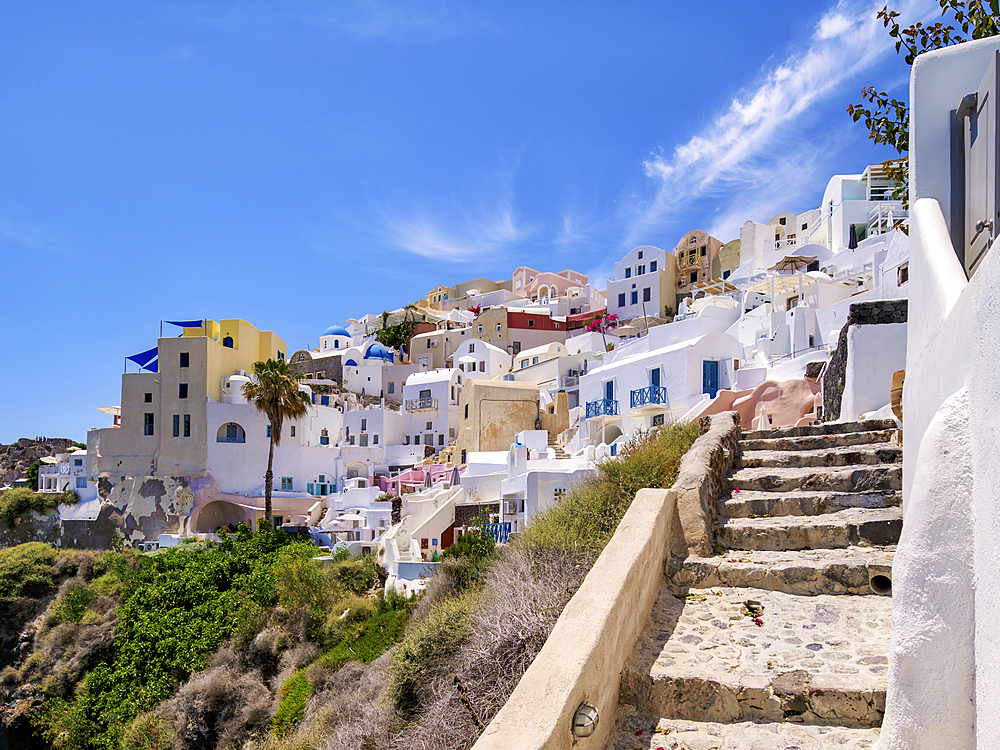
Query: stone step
column 813, row 442
column 747, row 503
column 807, row 660
column 859, row 479
column 636, row 731
column 804, row 573
column 849, row 455
column 824, row 428
column 846, row 528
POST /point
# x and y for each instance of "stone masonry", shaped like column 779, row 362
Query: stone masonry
column 835, row 373
column 779, row 640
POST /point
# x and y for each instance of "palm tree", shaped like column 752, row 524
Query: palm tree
column 274, row 390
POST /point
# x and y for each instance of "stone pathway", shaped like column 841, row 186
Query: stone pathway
column 779, row 641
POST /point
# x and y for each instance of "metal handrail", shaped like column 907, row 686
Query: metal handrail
column 653, row 394
column 602, row 407
column 230, row 440
column 417, row 404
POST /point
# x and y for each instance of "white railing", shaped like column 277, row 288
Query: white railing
column 787, row 244
column 886, row 216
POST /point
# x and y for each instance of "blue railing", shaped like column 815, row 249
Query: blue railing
column 230, row 440
column 602, row 406
column 653, row 394
column 499, row 531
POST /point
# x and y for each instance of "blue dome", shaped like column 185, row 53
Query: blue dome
column 336, row 331
column 377, row 351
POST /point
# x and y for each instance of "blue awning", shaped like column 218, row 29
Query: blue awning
column 186, row 323
column 146, row 360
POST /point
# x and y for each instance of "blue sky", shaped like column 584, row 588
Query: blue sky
column 300, row 163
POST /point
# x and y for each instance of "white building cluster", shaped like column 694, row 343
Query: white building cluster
column 501, row 394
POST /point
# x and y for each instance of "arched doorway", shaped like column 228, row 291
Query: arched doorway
column 218, row 513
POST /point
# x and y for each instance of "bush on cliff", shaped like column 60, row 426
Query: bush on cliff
column 16, row 502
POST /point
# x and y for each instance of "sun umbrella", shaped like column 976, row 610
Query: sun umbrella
column 852, row 243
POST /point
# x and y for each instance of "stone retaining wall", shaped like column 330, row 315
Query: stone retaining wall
column 835, row 373
column 582, row 660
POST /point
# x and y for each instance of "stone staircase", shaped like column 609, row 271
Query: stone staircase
column 780, row 641
column 554, row 445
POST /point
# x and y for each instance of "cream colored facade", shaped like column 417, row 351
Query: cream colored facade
column 431, row 350
column 543, row 285
column 191, row 368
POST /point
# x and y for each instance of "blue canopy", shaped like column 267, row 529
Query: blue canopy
column 146, row 360
column 186, row 323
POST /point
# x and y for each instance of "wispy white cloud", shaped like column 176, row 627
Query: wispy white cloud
column 757, row 142
column 474, row 238
column 27, row 234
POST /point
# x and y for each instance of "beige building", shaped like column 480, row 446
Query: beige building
column 547, row 285
column 515, row 330
column 727, row 261
column 694, row 255
column 432, row 350
column 492, row 412
column 164, row 425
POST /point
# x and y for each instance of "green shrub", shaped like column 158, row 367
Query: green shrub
column 368, row 640
column 73, row 604
column 345, row 616
column 586, row 519
column 433, row 638
column 26, row 570
column 295, row 692
column 358, row 575
column 302, row 582
column 475, row 543
column 16, row 502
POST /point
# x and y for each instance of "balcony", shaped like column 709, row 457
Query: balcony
column 499, row 531
column 886, row 216
column 788, row 244
column 230, row 440
column 421, row 404
column 654, row 394
column 50, row 469
column 570, row 383
column 602, row 407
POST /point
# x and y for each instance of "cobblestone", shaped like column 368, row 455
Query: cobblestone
column 636, row 731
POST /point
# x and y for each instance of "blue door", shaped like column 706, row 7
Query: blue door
column 710, row 377
column 609, row 390
column 654, row 378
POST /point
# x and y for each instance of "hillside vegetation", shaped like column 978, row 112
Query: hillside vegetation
column 250, row 642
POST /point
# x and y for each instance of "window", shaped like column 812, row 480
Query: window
column 635, row 298
column 531, row 324
column 148, row 398
column 782, row 221
column 621, row 300
column 499, row 327
column 652, row 266
column 147, row 423
column 228, row 342
column 286, row 484
column 657, row 420
column 336, row 344
column 374, row 439
column 292, row 428
column 281, row 356
column 463, row 455
column 324, row 400
column 78, row 462
column 182, row 390
column 187, row 425
column 416, row 439
column 451, row 433
column 534, row 360
column 364, row 440
column 812, row 341
column 645, row 294
column 441, row 439
column 482, row 365
column 429, row 426
column 268, row 431
column 364, row 425
column 517, row 347
column 725, row 274
column 694, row 276
column 406, row 439
column 392, row 387
column 81, row 483
column 640, row 255
column 902, row 274
column 640, row 269
column 472, row 347
column 805, row 226
column 185, row 359
column 524, row 363
column 628, row 272
column 704, row 251
column 177, row 425
column 466, row 411
column 480, row 327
